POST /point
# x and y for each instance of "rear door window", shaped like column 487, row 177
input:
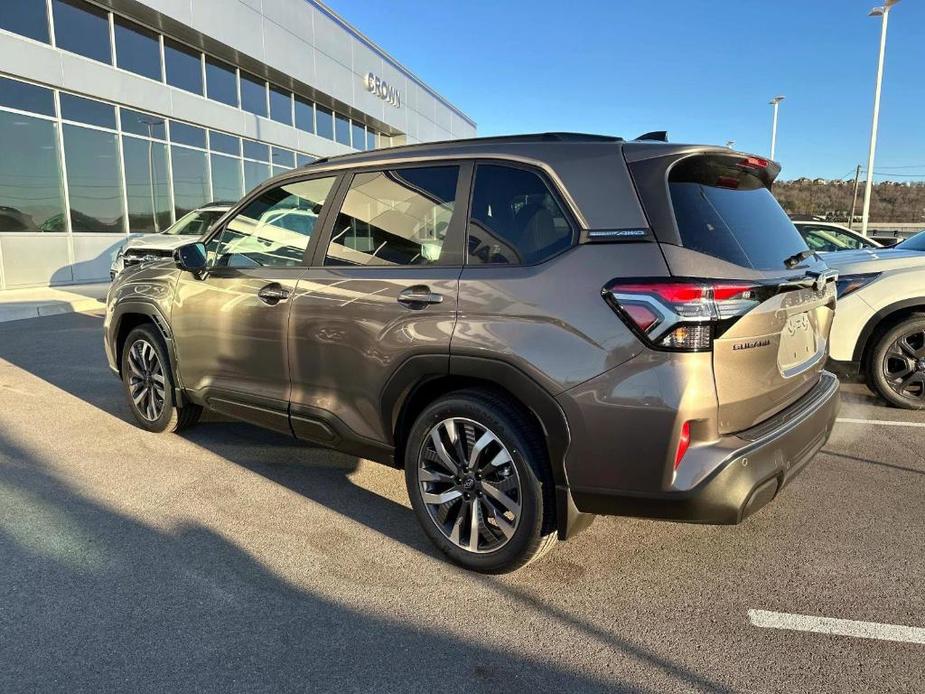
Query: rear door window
column 724, row 208
column 515, row 218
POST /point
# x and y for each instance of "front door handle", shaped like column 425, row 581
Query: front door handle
column 419, row 296
column 273, row 294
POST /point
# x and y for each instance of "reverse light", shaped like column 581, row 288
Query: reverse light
column 851, row 283
column 680, row 315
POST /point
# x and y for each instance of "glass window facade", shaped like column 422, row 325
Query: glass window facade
column 256, row 150
column 88, row 111
column 138, row 49
column 146, row 124
column 342, row 129
column 184, row 134
column 190, row 179
column 370, row 139
column 358, row 135
column 304, row 115
column 147, row 185
column 184, row 66
column 255, row 173
column 228, row 144
column 281, row 105
column 221, row 82
column 129, row 172
column 82, row 28
column 25, row 17
column 26, row 97
column 253, row 94
column 283, row 157
column 94, row 180
column 31, row 194
column 227, row 182
column 324, row 122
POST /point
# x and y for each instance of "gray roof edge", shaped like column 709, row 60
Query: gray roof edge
column 387, row 56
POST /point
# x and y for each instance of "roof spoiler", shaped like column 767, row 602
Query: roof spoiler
column 655, row 135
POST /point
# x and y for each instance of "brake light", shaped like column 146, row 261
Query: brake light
column 753, row 163
column 680, row 315
column 684, row 442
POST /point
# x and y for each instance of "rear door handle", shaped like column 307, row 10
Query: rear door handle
column 419, row 296
column 273, row 294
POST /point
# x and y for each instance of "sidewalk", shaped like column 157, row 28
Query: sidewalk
column 17, row 304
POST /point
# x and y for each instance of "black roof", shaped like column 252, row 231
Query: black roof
column 495, row 139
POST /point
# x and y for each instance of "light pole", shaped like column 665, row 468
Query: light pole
column 884, row 14
column 775, row 102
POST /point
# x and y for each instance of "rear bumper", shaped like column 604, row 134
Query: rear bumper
column 755, row 465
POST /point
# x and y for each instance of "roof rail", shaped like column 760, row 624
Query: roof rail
column 527, row 138
column 219, row 203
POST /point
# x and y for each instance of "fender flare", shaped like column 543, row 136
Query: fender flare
column 150, row 309
column 878, row 317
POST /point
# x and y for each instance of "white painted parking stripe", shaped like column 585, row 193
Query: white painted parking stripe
column 837, row 627
column 881, row 422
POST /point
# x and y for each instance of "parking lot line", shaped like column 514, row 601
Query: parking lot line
column 837, row 627
column 881, row 422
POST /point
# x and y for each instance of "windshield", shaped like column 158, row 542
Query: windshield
column 196, row 223
column 723, row 208
column 913, row 243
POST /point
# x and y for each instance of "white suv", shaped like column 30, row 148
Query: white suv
column 879, row 327
column 161, row 245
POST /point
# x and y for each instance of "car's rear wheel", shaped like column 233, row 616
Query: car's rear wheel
column 149, row 383
column 478, row 480
column 897, row 365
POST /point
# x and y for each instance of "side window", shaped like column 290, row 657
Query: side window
column 396, row 217
column 274, row 229
column 515, row 219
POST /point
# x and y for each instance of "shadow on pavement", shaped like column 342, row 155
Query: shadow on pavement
column 94, row 598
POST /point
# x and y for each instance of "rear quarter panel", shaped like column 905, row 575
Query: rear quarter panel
column 550, row 320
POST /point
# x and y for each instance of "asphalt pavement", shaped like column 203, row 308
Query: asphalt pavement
column 230, row 558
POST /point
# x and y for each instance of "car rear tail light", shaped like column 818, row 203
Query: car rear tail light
column 684, row 442
column 680, row 315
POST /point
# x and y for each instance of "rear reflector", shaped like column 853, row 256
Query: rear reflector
column 684, row 442
column 680, row 315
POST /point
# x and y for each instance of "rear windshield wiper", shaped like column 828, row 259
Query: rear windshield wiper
column 797, row 258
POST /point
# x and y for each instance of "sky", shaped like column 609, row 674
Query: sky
column 704, row 71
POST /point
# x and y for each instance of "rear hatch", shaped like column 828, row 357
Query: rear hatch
column 771, row 301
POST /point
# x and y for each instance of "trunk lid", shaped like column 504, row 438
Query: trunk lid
column 723, row 223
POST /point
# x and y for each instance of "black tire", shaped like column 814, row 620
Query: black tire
column 168, row 416
column 534, row 527
column 889, row 361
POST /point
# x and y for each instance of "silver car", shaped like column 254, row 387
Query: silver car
column 162, row 244
column 879, row 328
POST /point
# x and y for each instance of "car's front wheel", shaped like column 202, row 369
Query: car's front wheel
column 149, row 383
column 897, row 364
column 479, row 483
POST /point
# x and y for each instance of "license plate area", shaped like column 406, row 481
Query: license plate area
column 797, row 342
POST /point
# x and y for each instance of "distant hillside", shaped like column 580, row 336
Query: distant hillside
column 891, row 201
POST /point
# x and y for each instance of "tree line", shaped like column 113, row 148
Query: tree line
column 831, row 200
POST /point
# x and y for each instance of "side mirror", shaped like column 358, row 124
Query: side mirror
column 191, row 257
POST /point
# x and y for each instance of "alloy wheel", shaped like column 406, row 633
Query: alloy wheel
column 146, row 380
column 904, row 366
column 469, row 485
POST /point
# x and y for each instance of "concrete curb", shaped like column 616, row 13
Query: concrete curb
column 51, row 309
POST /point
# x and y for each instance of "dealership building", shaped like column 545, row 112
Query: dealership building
column 120, row 116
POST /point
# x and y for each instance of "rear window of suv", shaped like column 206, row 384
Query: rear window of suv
column 723, row 208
